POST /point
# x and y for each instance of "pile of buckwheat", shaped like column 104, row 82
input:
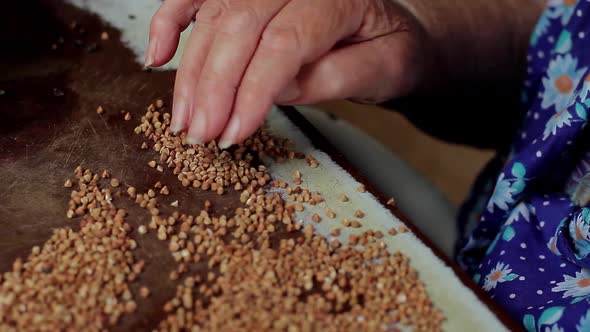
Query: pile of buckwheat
column 265, row 270
column 78, row 280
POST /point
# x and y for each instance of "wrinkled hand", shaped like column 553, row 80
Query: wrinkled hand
column 244, row 55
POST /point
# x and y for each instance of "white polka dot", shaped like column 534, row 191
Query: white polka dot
column 568, row 142
column 522, row 258
column 550, row 301
column 539, row 154
column 552, row 282
column 529, row 70
column 535, row 141
column 523, row 245
column 562, row 265
column 540, row 54
column 579, row 12
column 581, row 35
column 502, row 252
column 545, row 203
column 529, row 308
column 521, row 278
column 541, row 256
column 541, row 269
column 523, row 135
column 535, row 115
column 541, row 307
column 551, row 39
column 542, row 224
column 529, row 57
column 512, row 295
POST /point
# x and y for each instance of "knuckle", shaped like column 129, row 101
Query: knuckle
column 210, row 13
column 209, row 78
column 158, row 21
column 240, row 18
column 251, row 93
column 335, row 80
column 282, row 38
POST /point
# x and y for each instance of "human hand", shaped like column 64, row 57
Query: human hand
column 244, row 55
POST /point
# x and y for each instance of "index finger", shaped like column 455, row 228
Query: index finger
column 173, row 17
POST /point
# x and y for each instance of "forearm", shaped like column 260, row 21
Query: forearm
column 476, row 40
column 471, row 93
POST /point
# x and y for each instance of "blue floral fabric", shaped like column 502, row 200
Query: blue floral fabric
column 526, row 243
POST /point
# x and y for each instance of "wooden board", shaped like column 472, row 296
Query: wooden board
column 51, row 126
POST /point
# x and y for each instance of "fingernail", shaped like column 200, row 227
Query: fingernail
column 179, row 110
column 291, row 92
column 151, row 52
column 229, row 136
column 192, row 141
column 198, row 127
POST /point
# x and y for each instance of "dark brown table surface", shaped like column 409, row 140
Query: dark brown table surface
column 49, row 126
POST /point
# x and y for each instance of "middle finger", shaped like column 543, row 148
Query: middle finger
column 235, row 41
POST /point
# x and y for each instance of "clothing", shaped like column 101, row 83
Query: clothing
column 526, row 243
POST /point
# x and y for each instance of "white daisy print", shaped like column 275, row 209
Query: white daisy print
column 574, row 286
column 498, row 274
column 502, row 195
column 562, row 8
column 558, row 120
column 563, row 78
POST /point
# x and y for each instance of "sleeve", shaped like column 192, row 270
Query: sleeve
column 484, row 115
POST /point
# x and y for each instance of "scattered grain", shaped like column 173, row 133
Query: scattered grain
column 63, row 272
column 142, row 229
column 331, row 214
column 316, row 217
column 335, row 231
column 251, row 284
